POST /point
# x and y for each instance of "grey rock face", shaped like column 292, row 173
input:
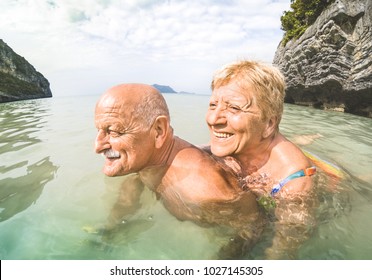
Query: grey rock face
column 330, row 65
column 18, row 79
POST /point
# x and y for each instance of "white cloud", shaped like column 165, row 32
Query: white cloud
column 179, row 43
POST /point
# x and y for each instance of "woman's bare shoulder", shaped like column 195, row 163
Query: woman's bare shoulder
column 289, row 157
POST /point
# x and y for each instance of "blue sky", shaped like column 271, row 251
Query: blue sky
column 87, row 46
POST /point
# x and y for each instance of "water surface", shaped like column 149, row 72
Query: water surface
column 54, row 197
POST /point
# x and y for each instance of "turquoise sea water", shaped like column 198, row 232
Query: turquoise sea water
column 54, row 197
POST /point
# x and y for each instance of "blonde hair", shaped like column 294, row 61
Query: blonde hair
column 266, row 80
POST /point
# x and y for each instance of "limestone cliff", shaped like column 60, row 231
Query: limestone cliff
column 18, row 79
column 330, row 65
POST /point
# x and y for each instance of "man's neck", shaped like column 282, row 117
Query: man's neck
column 153, row 174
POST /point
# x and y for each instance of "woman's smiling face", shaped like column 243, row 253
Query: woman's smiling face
column 234, row 121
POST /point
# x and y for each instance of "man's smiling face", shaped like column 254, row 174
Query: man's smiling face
column 122, row 139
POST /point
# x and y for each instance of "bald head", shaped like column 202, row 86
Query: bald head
column 142, row 101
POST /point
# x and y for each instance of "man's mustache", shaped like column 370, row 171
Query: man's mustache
column 110, row 153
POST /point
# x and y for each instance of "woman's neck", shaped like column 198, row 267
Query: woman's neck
column 254, row 160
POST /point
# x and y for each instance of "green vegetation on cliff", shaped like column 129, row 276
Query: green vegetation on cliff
column 10, row 84
column 303, row 14
column 19, row 80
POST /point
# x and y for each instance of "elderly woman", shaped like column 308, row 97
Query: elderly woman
column 244, row 113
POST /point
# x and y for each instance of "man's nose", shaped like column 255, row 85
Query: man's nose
column 102, row 142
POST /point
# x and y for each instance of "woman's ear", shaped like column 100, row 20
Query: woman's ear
column 271, row 127
column 161, row 127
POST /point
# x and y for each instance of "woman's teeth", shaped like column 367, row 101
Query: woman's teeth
column 222, row 134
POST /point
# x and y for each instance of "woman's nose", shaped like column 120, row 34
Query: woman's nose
column 102, row 143
column 216, row 116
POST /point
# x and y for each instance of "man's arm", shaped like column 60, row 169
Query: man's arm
column 128, row 201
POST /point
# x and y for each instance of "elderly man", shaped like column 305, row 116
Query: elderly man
column 135, row 136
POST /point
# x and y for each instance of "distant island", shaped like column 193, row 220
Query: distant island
column 168, row 89
column 185, row 92
column 164, row 89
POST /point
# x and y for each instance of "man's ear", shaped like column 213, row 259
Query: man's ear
column 161, row 127
column 271, row 127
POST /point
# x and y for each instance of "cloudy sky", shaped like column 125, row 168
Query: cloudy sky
column 87, row 46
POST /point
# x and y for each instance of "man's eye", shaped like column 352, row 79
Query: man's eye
column 114, row 133
column 212, row 105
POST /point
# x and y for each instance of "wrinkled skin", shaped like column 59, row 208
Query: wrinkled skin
column 238, row 130
column 192, row 184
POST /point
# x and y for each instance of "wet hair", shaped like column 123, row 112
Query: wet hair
column 152, row 105
column 266, row 80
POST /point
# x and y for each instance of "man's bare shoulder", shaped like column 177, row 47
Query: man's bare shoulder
column 194, row 168
column 187, row 151
column 198, row 159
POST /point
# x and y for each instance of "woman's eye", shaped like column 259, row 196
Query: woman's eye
column 234, row 108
